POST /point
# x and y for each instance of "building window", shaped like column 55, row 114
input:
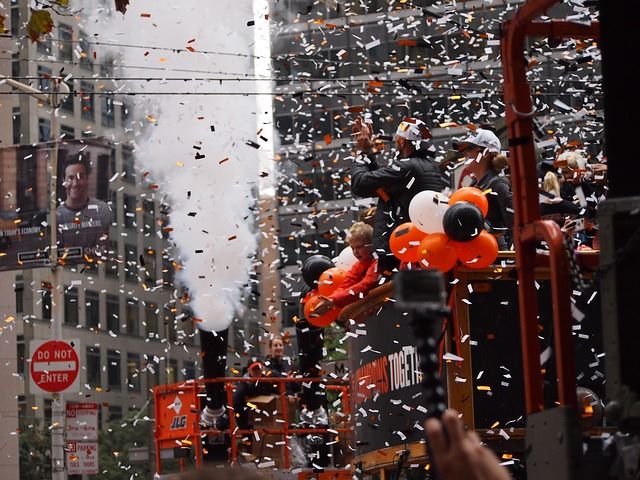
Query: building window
column 128, row 164
column 92, row 309
column 44, row 130
column 113, row 370
column 168, row 273
column 19, row 291
column 86, row 100
column 151, row 320
column 44, row 78
column 21, row 352
column 113, row 313
column 47, row 314
column 71, row 306
column 132, row 317
column 125, row 113
column 133, row 372
column 113, row 206
column 115, row 413
column 67, row 132
column 111, row 265
column 150, row 266
column 93, row 367
column 172, row 371
column 106, row 67
column 106, row 107
column 68, row 103
column 131, row 262
column 44, row 44
column 148, row 218
column 129, row 211
column 153, row 371
column 65, row 43
column 47, row 411
column 85, row 54
column 171, row 327
column 189, row 370
column 17, row 127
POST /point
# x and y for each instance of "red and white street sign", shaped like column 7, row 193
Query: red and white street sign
column 54, row 366
column 82, row 458
column 82, row 421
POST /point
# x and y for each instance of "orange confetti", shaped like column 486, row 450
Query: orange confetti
column 145, row 15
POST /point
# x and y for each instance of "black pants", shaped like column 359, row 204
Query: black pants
column 310, row 344
column 214, row 365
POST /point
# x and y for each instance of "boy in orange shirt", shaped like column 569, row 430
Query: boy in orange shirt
column 363, row 275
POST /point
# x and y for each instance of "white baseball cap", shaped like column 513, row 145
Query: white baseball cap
column 413, row 129
column 482, row 138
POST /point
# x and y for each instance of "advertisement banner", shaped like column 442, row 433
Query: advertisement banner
column 83, row 214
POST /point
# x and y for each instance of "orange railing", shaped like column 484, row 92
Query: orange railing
column 178, row 406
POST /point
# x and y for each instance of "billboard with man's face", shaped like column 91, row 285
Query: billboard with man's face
column 83, row 215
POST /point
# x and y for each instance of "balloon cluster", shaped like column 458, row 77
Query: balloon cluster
column 323, row 279
column 444, row 230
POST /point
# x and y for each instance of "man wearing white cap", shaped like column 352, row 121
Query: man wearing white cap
column 485, row 164
column 395, row 185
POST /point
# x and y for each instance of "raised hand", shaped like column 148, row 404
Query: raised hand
column 363, row 134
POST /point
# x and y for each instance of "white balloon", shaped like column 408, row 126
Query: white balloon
column 427, row 209
column 345, row 259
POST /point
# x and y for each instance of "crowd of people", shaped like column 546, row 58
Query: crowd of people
column 570, row 187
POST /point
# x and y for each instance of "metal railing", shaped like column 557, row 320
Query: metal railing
column 188, row 431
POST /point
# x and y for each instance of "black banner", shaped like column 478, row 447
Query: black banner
column 387, row 398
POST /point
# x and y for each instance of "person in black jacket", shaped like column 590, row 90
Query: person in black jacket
column 277, row 365
column 395, row 185
column 485, row 164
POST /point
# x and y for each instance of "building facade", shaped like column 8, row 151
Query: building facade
column 134, row 328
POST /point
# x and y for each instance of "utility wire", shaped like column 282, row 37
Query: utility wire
column 464, row 95
column 314, row 79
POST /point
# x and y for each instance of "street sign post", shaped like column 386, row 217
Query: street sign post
column 81, row 422
column 54, row 366
column 82, row 458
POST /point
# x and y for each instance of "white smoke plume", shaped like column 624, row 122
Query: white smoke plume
column 195, row 147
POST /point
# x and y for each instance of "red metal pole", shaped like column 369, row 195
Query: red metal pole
column 285, row 411
column 560, row 292
column 518, row 108
column 232, row 423
column 156, row 440
column 528, row 229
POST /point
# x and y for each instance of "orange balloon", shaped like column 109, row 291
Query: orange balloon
column 330, row 280
column 436, row 251
column 472, row 195
column 405, row 242
column 480, row 252
column 323, row 320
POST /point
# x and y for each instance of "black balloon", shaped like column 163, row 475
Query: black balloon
column 313, row 267
column 463, row 221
